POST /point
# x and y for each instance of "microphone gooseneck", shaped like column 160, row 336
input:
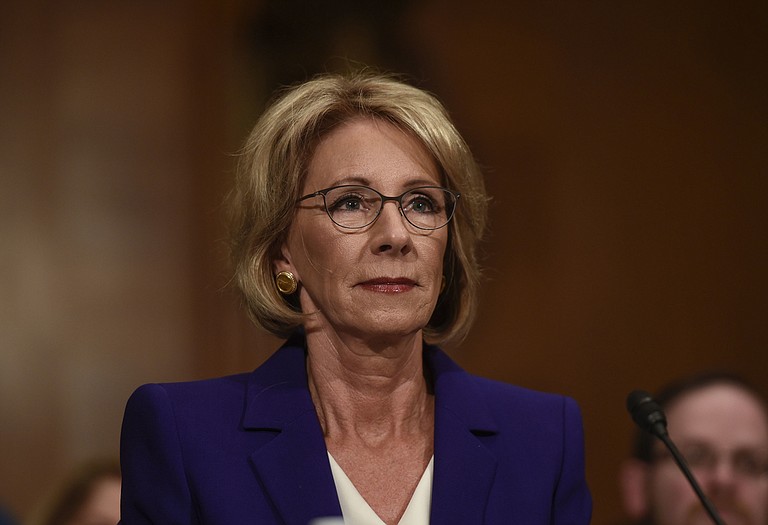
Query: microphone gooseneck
column 649, row 416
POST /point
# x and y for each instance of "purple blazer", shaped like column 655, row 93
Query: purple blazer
column 248, row 449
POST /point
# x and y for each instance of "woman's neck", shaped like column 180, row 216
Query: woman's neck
column 373, row 392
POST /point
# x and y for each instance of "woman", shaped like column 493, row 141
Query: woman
column 358, row 208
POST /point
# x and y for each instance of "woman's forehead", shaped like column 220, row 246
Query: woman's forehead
column 370, row 152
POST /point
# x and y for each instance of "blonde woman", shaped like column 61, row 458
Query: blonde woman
column 358, row 210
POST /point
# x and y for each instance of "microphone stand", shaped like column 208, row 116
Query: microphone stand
column 680, row 460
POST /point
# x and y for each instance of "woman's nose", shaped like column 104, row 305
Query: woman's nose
column 390, row 231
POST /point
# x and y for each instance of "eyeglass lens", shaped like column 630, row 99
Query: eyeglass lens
column 427, row 208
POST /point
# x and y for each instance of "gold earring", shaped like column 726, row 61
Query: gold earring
column 286, row 283
column 442, row 285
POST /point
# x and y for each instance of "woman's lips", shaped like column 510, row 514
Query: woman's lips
column 388, row 285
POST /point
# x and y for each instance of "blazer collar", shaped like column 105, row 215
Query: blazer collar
column 277, row 390
column 464, row 467
column 292, row 463
column 456, row 392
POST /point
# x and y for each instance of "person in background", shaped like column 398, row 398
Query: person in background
column 720, row 424
column 358, row 210
column 88, row 496
column 6, row 518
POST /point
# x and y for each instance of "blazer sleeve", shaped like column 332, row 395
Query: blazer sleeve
column 154, row 486
column 572, row 499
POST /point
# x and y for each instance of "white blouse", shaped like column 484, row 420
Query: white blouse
column 356, row 510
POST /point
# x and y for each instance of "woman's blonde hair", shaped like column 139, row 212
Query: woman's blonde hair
column 273, row 165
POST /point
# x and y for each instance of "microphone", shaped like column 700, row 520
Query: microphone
column 649, row 416
column 647, row 413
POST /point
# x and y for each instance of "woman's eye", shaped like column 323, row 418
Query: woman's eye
column 421, row 204
column 348, row 203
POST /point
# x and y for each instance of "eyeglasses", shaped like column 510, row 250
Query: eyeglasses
column 745, row 463
column 353, row 207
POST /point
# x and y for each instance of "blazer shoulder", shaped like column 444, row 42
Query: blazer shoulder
column 511, row 392
column 182, row 389
column 208, row 396
column 471, row 396
column 515, row 403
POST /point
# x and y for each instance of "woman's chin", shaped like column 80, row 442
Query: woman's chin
column 386, row 328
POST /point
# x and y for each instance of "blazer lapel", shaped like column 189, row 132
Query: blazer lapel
column 464, row 467
column 295, row 472
column 291, row 461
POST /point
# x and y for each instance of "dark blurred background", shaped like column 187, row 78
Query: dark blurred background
column 625, row 146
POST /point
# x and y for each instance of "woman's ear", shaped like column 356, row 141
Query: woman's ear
column 633, row 481
column 283, row 263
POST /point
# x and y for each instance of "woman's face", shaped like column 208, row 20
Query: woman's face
column 381, row 280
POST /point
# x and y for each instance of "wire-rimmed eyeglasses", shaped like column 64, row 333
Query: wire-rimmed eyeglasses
column 351, row 206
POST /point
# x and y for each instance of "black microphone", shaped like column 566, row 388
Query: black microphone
column 647, row 413
column 649, row 416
